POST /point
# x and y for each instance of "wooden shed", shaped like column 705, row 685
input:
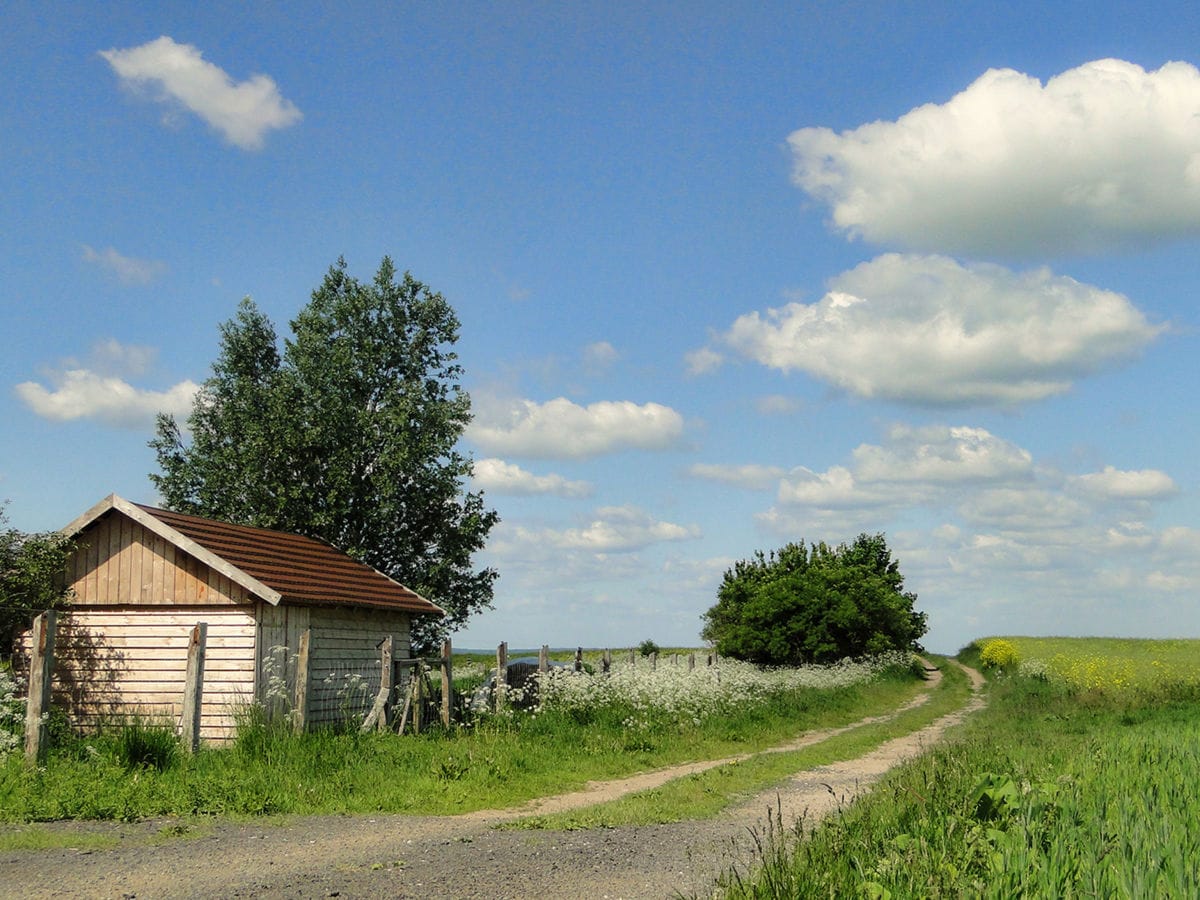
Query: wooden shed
column 143, row 578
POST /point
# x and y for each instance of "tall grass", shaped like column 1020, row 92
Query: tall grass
column 1053, row 791
column 497, row 762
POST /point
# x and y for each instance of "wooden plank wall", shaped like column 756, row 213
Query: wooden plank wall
column 344, row 659
column 279, row 630
column 121, row 562
column 122, row 661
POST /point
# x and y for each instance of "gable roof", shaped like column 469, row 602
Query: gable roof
column 272, row 565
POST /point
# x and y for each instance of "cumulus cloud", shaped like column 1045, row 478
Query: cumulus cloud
column 507, row 478
column 983, row 481
column 1144, row 484
column 243, row 112
column 612, row 529
column 751, row 477
column 560, row 429
column 928, row 330
column 97, row 387
column 128, row 269
column 83, row 394
column 1101, row 155
column 944, row 454
column 621, row 529
column 913, row 466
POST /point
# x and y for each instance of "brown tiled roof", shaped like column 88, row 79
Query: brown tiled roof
column 303, row 570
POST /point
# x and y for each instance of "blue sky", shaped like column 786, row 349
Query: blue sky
column 727, row 279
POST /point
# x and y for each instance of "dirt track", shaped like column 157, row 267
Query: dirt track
column 453, row 857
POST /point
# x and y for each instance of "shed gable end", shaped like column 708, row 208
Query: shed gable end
column 118, row 561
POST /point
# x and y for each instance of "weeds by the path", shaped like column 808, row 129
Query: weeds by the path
column 706, row 794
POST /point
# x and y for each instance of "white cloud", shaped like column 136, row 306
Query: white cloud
column 702, row 361
column 840, row 488
column 1144, row 484
column 751, row 477
column 928, row 330
column 1025, row 509
column 599, row 357
column 941, row 454
column 241, row 111
column 128, row 269
column 560, row 429
column 83, row 394
column 506, row 478
column 611, row 530
column 1101, row 155
column 622, row 529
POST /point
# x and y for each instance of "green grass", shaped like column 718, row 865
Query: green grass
column 706, row 794
column 1053, row 791
column 501, row 763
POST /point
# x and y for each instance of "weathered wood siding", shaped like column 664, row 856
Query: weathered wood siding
column 344, row 660
column 133, row 660
column 122, row 563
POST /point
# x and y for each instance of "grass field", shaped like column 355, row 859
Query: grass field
column 1110, row 665
column 1077, row 784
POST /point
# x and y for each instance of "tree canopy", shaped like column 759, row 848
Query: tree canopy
column 349, row 436
column 31, row 578
column 804, row 604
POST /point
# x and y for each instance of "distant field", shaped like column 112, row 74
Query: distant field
column 1110, row 664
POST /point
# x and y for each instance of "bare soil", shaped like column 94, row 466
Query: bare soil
column 455, row 857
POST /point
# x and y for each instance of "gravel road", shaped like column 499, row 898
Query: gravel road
column 449, row 857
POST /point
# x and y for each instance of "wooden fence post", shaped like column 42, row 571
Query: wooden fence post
column 579, row 659
column 632, row 657
column 193, row 689
column 41, row 675
column 419, row 698
column 377, row 718
column 447, row 685
column 544, row 659
column 501, row 675
column 691, row 661
column 654, row 661
column 300, row 702
column 606, row 662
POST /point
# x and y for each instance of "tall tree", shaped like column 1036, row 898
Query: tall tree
column 349, row 436
column 814, row 604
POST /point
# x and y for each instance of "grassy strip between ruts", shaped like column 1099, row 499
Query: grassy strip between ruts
column 1052, row 791
column 705, row 794
column 499, row 764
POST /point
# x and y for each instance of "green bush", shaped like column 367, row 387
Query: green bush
column 815, row 604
